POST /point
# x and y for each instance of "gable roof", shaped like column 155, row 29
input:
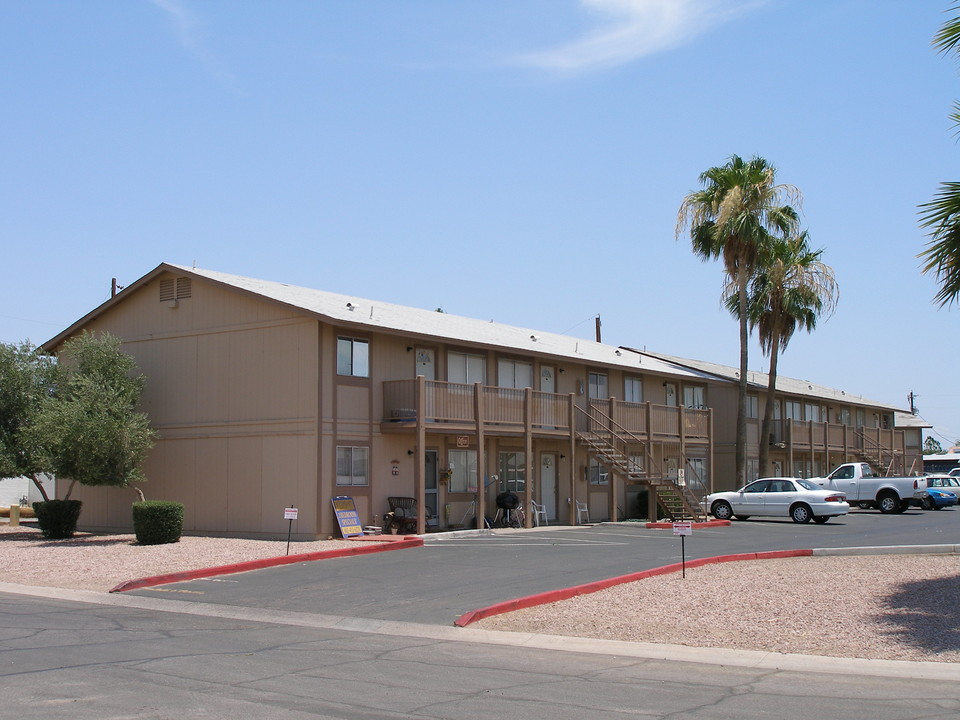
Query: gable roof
column 785, row 385
column 353, row 311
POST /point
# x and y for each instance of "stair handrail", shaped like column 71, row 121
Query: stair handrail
column 623, row 431
column 687, row 498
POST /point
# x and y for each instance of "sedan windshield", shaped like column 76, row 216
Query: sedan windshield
column 807, row 485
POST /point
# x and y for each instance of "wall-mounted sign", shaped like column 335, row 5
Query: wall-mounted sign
column 347, row 517
column 463, row 441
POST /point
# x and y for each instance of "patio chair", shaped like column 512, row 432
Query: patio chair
column 538, row 512
column 583, row 511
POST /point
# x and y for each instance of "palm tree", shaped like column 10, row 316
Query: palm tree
column 734, row 217
column 942, row 214
column 789, row 292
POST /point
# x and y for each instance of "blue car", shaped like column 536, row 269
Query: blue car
column 941, row 491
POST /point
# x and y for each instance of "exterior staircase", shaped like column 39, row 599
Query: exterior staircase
column 610, row 444
column 885, row 461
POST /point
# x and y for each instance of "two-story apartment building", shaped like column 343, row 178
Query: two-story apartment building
column 815, row 427
column 267, row 395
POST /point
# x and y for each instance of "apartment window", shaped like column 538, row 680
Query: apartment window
column 597, row 386
column 693, row 397
column 513, row 472
column 753, row 469
column 353, row 357
column 466, row 369
column 352, row 465
column 753, row 407
column 597, row 474
column 463, row 477
column 843, row 416
column 794, row 410
column 861, row 417
column 514, row 374
column 635, row 462
column 633, row 389
column 813, row 412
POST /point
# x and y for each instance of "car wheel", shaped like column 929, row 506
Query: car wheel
column 927, row 503
column 821, row 519
column 742, row 517
column 888, row 503
column 800, row 513
column 721, row 510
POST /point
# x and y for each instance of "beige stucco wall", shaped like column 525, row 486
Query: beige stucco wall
column 232, row 390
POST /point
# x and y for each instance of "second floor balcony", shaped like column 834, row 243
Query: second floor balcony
column 456, row 407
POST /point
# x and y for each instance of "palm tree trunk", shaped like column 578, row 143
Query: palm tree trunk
column 741, row 441
column 766, row 426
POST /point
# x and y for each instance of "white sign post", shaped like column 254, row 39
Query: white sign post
column 289, row 513
column 683, row 528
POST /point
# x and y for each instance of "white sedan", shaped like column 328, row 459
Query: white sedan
column 798, row 499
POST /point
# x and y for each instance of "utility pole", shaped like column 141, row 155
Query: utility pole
column 598, row 328
column 911, row 398
column 114, row 288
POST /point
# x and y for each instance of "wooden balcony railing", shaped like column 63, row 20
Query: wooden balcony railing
column 508, row 409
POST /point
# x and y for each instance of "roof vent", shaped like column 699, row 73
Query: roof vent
column 174, row 289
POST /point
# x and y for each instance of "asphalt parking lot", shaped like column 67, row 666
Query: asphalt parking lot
column 452, row 574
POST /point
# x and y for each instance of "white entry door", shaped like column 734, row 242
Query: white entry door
column 425, row 364
column 548, row 484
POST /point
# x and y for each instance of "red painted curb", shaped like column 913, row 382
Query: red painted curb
column 408, row 542
column 669, row 525
column 567, row 593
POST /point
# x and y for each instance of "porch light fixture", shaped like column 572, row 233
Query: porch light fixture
column 410, row 452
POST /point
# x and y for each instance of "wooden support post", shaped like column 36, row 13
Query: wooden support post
column 481, row 456
column 420, row 470
column 529, row 474
column 572, row 497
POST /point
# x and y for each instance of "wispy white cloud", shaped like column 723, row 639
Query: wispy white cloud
column 631, row 29
column 188, row 28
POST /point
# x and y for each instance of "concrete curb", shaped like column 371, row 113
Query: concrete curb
column 406, row 542
column 566, row 593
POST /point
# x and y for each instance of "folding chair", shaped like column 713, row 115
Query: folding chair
column 583, row 511
column 538, row 511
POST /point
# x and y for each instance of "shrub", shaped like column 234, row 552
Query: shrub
column 57, row 519
column 156, row 522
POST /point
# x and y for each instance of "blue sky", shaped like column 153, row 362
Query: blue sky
column 519, row 160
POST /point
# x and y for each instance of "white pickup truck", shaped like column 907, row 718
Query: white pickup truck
column 864, row 488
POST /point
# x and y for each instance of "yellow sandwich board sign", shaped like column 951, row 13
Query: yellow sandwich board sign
column 347, row 517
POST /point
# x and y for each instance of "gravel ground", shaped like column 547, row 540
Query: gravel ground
column 890, row 607
column 894, row 607
column 100, row 562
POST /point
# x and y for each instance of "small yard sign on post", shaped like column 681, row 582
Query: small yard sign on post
column 683, row 528
column 289, row 513
column 347, row 516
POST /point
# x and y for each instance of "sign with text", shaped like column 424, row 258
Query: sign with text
column 463, row 441
column 290, row 513
column 683, row 528
column 347, row 517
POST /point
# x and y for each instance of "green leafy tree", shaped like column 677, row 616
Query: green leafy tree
column 790, row 291
column 26, row 378
column 931, row 446
column 941, row 215
column 735, row 217
column 90, row 430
